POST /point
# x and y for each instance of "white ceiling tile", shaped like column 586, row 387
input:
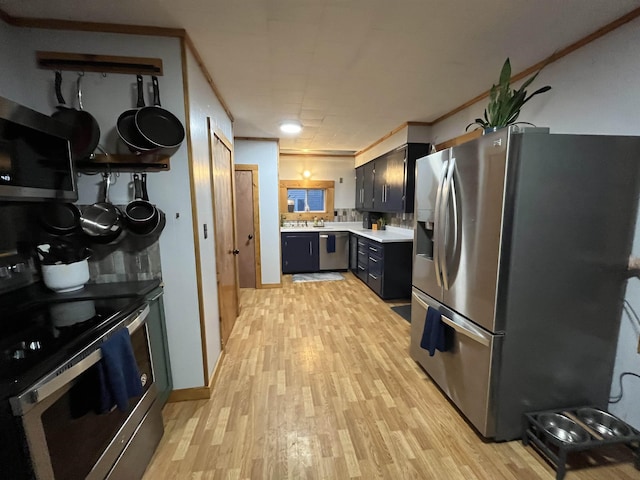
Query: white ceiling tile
column 353, row 70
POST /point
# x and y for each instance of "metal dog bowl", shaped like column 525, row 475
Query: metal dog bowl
column 604, row 423
column 563, row 428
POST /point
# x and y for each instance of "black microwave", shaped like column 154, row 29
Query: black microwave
column 35, row 156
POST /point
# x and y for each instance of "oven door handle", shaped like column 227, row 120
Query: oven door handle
column 46, row 387
column 139, row 319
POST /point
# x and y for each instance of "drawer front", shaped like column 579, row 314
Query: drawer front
column 374, row 281
column 376, row 265
column 362, row 272
column 363, row 256
column 376, row 249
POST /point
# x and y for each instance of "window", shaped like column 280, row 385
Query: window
column 306, row 199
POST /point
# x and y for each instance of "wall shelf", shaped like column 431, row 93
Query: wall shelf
column 85, row 62
column 125, row 163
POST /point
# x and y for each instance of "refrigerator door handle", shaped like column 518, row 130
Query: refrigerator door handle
column 467, row 329
column 463, row 327
column 438, row 226
column 444, row 214
column 454, row 204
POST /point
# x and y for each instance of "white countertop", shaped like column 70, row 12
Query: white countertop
column 391, row 234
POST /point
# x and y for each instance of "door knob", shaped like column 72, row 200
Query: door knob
column 250, row 236
column 236, row 251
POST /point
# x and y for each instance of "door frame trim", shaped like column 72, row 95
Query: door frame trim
column 255, row 177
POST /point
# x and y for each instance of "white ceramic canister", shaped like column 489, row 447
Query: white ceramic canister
column 64, row 278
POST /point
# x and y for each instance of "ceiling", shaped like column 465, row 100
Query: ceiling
column 350, row 70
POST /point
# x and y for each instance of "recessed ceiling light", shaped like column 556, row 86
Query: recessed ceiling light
column 291, row 126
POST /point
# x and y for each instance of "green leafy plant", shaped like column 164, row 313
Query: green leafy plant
column 504, row 102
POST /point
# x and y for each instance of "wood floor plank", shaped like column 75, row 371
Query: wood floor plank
column 317, row 383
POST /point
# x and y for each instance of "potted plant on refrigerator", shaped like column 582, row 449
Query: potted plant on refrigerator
column 504, row 102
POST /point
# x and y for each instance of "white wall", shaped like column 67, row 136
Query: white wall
column 203, row 104
column 594, row 90
column 265, row 155
column 324, row 168
column 106, row 97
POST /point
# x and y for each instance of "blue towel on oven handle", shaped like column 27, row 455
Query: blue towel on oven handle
column 433, row 335
column 331, row 243
column 118, row 372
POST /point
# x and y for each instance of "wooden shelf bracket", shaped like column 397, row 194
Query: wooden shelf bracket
column 85, row 62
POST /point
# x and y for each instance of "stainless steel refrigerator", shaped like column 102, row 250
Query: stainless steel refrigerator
column 522, row 240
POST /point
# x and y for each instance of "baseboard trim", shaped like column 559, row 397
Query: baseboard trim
column 198, row 393
column 188, row 394
column 271, row 285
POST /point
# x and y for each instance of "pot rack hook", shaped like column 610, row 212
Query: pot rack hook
column 79, row 86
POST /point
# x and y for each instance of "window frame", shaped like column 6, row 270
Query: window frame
column 327, row 185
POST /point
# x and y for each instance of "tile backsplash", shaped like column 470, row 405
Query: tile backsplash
column 347, row 215
column 133, row 259
column 121, row 265
column 403, row 220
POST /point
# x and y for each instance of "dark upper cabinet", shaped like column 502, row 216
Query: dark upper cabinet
column 389, row 180
column 379, row 190
column 360, row 188
column 368, row 187
column 300, row 252
column 395, row 177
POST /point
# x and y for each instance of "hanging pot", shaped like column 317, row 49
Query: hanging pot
column 126, row 126
column 159, row 126
column 102, row 221
column 141, row 215
column 160, row 224
column 85, row 132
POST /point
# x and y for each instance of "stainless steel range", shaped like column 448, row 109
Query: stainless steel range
column 53, row 420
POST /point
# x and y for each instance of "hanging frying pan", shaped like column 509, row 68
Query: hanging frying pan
column 141, row 215
column 60, row 218
column 157, row 125
column 85, row 132
column 126, row 125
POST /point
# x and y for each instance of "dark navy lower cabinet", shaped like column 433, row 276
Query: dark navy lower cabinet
column 385, row 267
column 300, row 252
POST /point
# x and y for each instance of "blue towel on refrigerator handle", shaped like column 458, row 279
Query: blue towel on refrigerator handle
column 331, row 243
column 119, row 374
column 433, row 335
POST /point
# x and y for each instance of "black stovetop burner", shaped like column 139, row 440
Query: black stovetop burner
column 34, row 340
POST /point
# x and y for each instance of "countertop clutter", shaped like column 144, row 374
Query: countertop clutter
column 390, row 234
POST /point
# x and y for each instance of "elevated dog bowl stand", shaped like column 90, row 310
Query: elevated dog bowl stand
column 535, row 433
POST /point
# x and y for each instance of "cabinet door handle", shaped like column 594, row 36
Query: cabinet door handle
column 310, row 249
column 373, row 260
column 373, row 276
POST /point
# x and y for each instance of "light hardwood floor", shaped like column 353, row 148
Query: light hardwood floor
column 317, row 383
